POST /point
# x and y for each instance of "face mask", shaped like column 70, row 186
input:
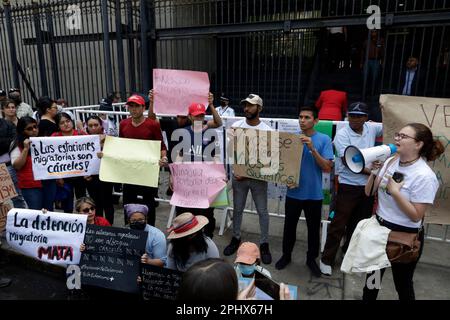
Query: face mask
column 246, row 270
column 137, row 225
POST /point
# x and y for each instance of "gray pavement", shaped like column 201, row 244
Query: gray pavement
column 432, row 277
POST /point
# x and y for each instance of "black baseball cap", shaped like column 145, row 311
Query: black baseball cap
column 358, row 108
column 13, row 90
column 2, row 93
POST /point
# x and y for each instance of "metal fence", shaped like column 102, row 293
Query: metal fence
column 275, row 48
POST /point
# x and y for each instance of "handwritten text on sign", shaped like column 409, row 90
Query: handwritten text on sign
column 7, row 189
column 398, row 111
column 175, row 90
column 53, row 237
column 256, row 157
column 196, row 184
column 63, row 157
column 112, row 257
column 159, row 283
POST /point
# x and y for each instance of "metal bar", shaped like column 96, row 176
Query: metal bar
column 53, row 55
column 402, row 63
column 429, row 64
column 366, row 66
column 40, row 52
column 420, row 55
column 120, row 54
column 437, row 65
column 145, row 66
column 12, row 44
column 131, row 55
column 107, row 46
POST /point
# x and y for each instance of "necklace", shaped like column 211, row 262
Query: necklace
column 408, row 163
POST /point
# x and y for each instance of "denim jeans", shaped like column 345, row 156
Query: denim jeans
column 18, row 201
column 33, row 198
column 49, row 193
column 259, row 195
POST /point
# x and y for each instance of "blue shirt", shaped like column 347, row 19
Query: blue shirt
column 347, row 137
column 156, row 247
column 310, row 183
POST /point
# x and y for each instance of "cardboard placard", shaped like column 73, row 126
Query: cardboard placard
column 7, row 189
column 252, row 146
column 112, row 258
column 398, row 111
column 159, row 283
column 4, row 209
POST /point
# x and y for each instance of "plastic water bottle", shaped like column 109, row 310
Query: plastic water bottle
column 331, row 216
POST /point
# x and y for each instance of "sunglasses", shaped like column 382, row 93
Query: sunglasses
column 86, row 210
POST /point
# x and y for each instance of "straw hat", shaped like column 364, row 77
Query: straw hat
column 186, row 224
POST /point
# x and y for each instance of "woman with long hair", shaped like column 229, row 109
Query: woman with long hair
column 21, row 160
column 406, row 187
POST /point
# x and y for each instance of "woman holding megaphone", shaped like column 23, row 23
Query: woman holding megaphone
column 406, row 188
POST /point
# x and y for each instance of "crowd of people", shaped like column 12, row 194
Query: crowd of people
column 189, row 245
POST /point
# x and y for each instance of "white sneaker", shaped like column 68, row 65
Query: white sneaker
column 325, row 269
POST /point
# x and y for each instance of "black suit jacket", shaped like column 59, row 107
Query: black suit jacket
column 417, row 84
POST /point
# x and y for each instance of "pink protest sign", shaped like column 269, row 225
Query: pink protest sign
column 196, row 184
column 175, row 90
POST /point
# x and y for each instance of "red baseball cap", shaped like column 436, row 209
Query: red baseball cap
column 136, row 99
column 196, row 108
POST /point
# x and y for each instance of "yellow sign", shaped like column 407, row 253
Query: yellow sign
column 131, row 161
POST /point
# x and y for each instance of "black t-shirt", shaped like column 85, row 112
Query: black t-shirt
column 47, row 128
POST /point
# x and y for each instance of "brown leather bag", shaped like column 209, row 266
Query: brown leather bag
column 403, row 247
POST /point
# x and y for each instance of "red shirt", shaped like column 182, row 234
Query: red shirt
column 102, row 222
column 147, row 130
column 25, row 175
column 74, row 133
column 331, row 105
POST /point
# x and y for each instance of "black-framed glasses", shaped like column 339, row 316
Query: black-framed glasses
column 86, row 210
column 402, row 136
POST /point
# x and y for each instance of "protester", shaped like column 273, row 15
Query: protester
column 155, row 249
column 100, row 191
column 47, row 126
column 7, row 144
column 9, row 111
column 108, row 121
column 225, row 110
column 248, row 259
column 86, row 205
column 352, row 204
column 200, row 139
column 21, row 159
column 317, row 157
column 139, row 127
column 402, row 205
column 3, row 97
column 23, row 109
column 332, row 103
column 253, row 106
column 188, row 244
column 375, row 55
column 67, row 186
column 215, row 280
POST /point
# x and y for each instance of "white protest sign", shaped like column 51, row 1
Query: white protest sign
column 53, row 237
column 64, row 157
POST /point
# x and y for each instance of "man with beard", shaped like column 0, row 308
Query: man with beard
column 317, row 157
column 253, row 105
column 23, row 109
column 352, row 204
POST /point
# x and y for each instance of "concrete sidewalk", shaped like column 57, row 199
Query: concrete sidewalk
column 432, row 277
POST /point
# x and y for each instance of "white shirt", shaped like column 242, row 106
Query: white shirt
column 421, row 185
column 347, row 137
column 243, row 124
column 225, row 112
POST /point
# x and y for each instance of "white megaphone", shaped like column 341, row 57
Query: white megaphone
column 356, row 159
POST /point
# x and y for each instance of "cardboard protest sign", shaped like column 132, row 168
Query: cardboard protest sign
column 53, row 237
column 131, row 161
column 398, row 111
column 64, row 157
column 112, row 258
column 4, row 209
column 196, row 184
column 270, row 156
column 159, row 283
column 175, row 90
column 7, row 189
